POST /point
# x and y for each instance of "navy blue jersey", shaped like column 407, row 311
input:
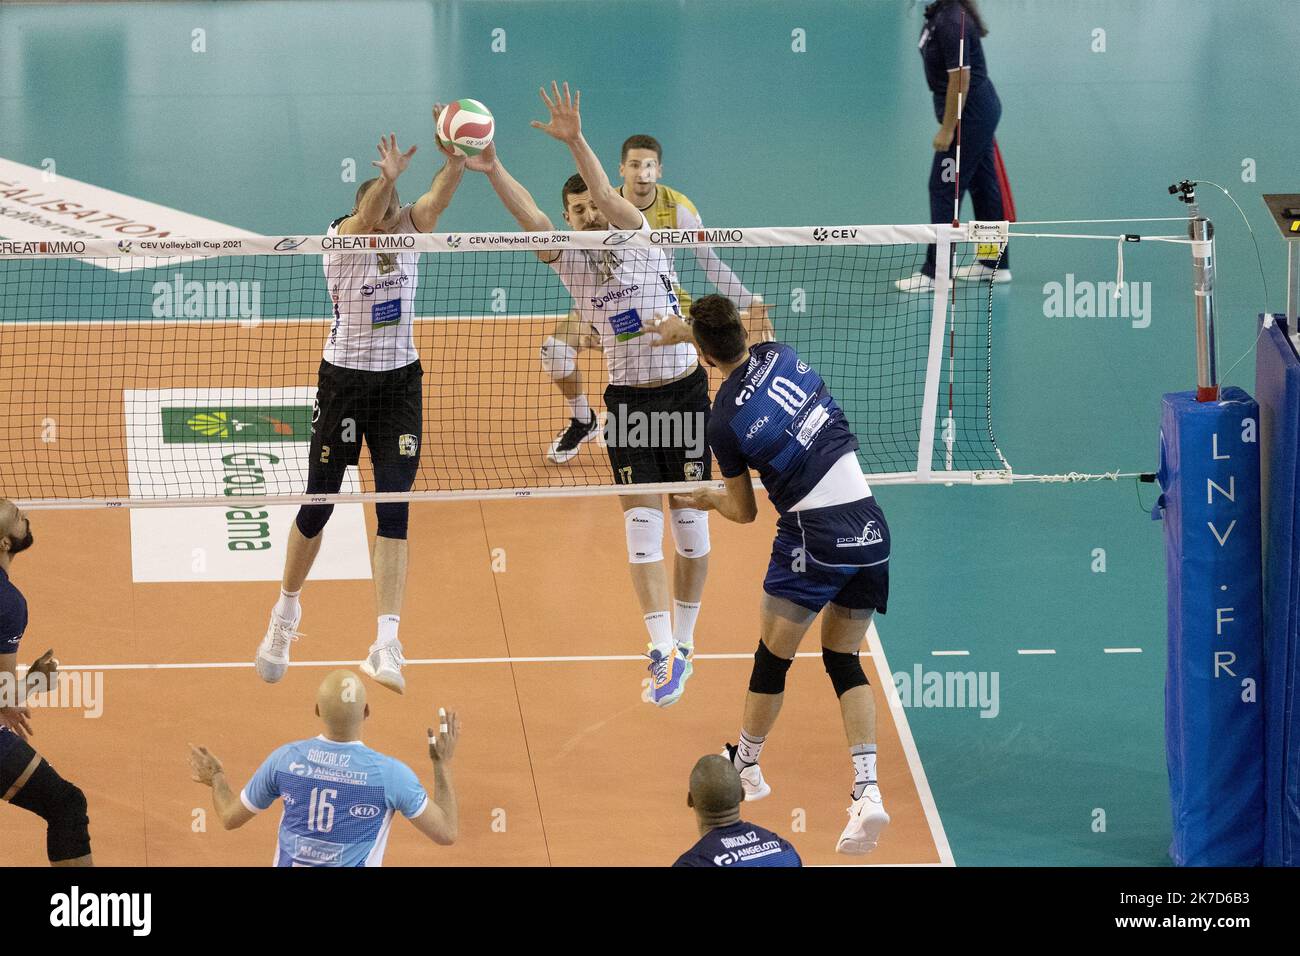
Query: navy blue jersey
column 741, row 844
column 941, row 46
column 13, row 621
column 777, row 415
column 13, row 615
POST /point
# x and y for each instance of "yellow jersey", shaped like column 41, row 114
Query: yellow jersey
column 672, row 210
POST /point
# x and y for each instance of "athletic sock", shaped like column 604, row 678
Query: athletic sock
column 864, row 768
column 579, row 408
column 387, row 628
column 660, row 626
column 747, row 750
column 288, row 608
column 684, row 615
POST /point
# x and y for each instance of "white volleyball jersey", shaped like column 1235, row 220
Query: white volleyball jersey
column 619, row 291
column 374, row 305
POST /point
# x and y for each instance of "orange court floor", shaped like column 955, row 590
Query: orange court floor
column 519, row 615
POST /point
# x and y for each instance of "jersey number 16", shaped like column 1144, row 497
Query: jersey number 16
column 320, row 812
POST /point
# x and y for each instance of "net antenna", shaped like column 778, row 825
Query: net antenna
column 948, row 428
column 1201, row 232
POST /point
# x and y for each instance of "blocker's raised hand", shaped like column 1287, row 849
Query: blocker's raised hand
column 392, row 162
column 566, row 120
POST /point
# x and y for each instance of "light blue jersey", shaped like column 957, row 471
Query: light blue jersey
column 339, row 800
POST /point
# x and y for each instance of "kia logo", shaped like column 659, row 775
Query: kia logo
column 364, row 811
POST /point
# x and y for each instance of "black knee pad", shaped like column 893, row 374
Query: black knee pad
column 62, row 806
column 845, row 671
column 392, row 518
column 768, row 675
column 312, row 518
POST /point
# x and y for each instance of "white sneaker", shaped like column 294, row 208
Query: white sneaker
column 751, row 778
column 273, row 653
column 915, row 283
column 979, row 272
column 384, row 664
column 867, row 818
column 569, row 442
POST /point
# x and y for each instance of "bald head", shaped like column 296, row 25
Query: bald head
column 341, row 705
column 716, row 793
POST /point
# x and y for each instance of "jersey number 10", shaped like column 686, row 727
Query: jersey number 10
column 320, row 812
column 787, row 394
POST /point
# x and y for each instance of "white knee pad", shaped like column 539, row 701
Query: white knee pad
column 691, row 532
column 559, row 359
column 645, row 535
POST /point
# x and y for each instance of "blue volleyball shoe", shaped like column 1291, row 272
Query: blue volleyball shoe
column 669, row 674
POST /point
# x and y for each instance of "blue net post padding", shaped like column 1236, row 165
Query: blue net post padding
column 1214, row 723
column 1277, row 384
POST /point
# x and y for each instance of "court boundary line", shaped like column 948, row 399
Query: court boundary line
column 435, row 661
column 419, row 661
column 905, row 739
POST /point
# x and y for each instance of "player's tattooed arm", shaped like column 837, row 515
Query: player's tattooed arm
column 206, row 769
column 735, row 502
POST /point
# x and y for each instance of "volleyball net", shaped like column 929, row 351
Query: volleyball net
column 180, row 371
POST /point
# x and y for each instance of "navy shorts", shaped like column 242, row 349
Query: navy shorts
column 838, row 555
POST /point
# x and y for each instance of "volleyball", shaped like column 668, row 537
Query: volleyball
column 466, row 127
